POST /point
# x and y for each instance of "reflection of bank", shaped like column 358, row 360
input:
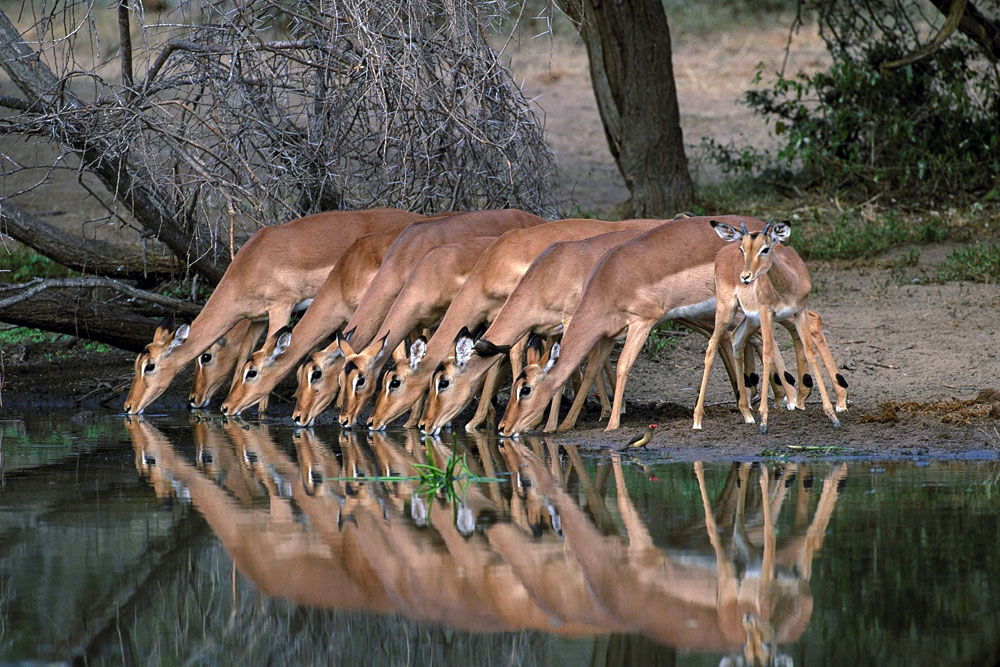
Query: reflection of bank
column 533, row 555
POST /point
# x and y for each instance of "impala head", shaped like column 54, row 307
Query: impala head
column 528, row 395
column 756, row 247
column 255, row 379
column 400, row 387
column 213, row 368
column 319, row 384
column 451, row 385
column 358, row 377
column 153, row 367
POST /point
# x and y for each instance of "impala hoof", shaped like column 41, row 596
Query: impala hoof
column 749, row 420
column 696, row 427
column 762, row 429
column 841, row 408
column 835, row 422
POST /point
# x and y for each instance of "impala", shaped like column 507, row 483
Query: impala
column 384, row 274
column 276, row 269
column 217, row 364
column 542, row 302
column 487, row 286
column 665, row 273
column 768, row 281
column 421, row 303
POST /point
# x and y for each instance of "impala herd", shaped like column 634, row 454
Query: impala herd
column 419, row 313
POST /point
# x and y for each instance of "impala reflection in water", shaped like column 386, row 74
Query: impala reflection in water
column 518, row 555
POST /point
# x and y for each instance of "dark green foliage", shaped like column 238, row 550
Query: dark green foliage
column 977, row 263
column 22, row 264
column 926, row 130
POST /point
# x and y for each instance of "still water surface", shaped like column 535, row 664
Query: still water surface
column 187, row 541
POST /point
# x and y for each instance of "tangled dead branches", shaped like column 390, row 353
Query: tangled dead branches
column 219, row 117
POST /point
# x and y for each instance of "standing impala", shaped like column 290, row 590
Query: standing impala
column 488, row 285
column 387, row 272
column 420, row 305
column 276, row 269
column 769, row 282
column 665, row 273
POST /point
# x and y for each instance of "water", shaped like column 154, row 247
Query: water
column 171, row 541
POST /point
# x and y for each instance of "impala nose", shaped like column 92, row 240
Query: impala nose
column 225, row 409
column 128, row 408
column 371, row 423
column 345, row 423
column 745, row 277
column 296, row 418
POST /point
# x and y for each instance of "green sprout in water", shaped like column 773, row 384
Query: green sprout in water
column 452, row 481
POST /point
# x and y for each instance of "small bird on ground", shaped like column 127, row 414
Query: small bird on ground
column 641, row 439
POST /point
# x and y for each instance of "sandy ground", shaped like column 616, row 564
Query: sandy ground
column 893, row 340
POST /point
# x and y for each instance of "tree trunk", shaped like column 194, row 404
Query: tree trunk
column 73, row 313
column 983, row 30
column 628, row 44
column 83, row 255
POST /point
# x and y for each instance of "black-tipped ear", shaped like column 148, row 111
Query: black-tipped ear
column 480, row 329
column 535, row 342
column 464, row 333
column 283, row 330
column 485, row 348
column 168, row 322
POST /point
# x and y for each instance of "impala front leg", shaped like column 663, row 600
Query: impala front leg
column 766, row 334
column 489, row 388
column 598, row 357
column 638, row 331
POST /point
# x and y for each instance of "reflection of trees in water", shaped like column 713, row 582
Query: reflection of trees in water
column 533, row 556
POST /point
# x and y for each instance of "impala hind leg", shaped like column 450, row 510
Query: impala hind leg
column 802, row 327
column 838, row 381
column 635, row 339
column 598, row 356
column 805, row 379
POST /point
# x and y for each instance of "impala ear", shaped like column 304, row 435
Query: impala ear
column 399, row 354
column 485, row 348
column 381, row 350
column 725, row 232
column 779, row 232
column 553, row 357
column 283, row 338
column 534, row 350
column 417, row 351
column 463, row 350
column 163, row 329
column 342, row 344
column 181, row 335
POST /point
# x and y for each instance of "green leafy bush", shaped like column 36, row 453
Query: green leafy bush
column 927, row 130
column 21, row 264
column 978, row 263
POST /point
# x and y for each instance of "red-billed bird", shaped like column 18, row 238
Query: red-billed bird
column 641, row 439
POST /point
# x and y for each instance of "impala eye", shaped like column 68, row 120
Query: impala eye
column 360, row 382
column 764, row 250
column 394, row 383
column 205, row 358
column 525, row 391
column 315, row 375
column 443, row 383
column 250, row 374
column 149, row 367
column 742, row 252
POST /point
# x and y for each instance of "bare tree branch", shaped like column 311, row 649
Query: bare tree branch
column 86, row 256
column 950, row 24
column 26, row 291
